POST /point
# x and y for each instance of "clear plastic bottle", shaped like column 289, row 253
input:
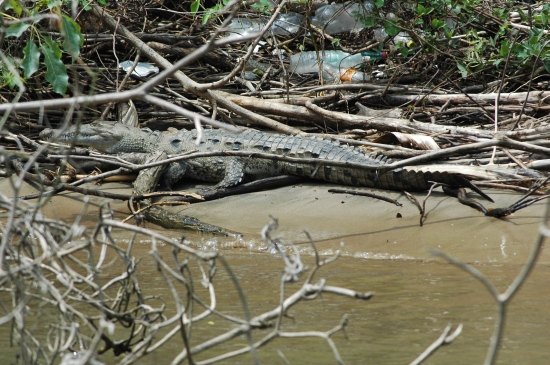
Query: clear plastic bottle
column 305, row 62
column 285, row 24
column 337, row 18
column 400, row 38
column 288, row 23
column 344, row 74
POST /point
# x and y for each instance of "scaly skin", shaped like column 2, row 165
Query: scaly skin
column 229, row 171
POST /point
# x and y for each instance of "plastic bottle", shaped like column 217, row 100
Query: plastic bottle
column 344, row 74
column 288, row 23
column 400, row 38
column 285, row 24
column 337, row 18
column 305, row 62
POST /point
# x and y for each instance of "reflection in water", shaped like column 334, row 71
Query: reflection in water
column 413, row 302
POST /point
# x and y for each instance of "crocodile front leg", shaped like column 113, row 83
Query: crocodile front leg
column 146, row 183
column 174, row 173
column 234, row 173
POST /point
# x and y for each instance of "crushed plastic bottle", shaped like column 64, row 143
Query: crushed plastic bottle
column 305, row 62
column 285, row 24
column 142, row 69
column 337, row 18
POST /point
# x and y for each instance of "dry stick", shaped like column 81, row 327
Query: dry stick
column 534, row 97
column 363, row 193
column 513, row 158
column 256, row 185
column 521, row 189
column 444, row 339
column 312, row 112
column 423, row 209
column 504, row 298
column 221, row 99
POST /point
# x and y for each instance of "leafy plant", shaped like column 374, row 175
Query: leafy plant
column 209, row 13
column 24, row 27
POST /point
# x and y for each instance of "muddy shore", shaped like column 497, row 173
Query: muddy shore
column 369, row 228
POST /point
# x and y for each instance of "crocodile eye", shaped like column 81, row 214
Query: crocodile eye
column 176, row 142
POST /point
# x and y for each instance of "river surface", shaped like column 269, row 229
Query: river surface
column 415, row 295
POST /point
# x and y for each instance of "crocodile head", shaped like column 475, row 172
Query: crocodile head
column 104, row 136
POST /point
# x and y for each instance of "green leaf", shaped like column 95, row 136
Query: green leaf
column 15, row 6
column 53, row 45
column 15, row 30
column 504, row 48
column 56, row 73
column 402, row 49
column 103, row 2
column 547, row 66
column 436, row 23
column 210, row 12
column 369, row 21
column 31, row 59
column 73, row 38
column 463, row 70
column 6, row 78
column 195, row 6
column 379, row 3
column 391, row 28
column 53, row 3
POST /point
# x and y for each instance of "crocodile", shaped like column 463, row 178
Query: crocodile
column 227, row 171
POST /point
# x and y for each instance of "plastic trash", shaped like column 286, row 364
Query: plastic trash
column 142, row 69
column 285, row 24
column 305, row 62
column 400, row 38
column 330, row 72
column 288, row 23
column 337, row 18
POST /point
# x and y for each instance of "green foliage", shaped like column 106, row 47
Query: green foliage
column 31, row 59
column 494, row 50
column 56, row 73
column 30, row 33
column 16, row 30
column 264, row 6
column 195, row 6
column 15, row 6
column 73, row 37
column 434, row 23
column 6, row 77
column 209, row 13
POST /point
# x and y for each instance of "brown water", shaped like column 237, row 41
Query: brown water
column 415, row 295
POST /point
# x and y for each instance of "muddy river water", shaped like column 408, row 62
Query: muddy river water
column 385, row 251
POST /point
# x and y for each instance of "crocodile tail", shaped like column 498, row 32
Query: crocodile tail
column 403, row 179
